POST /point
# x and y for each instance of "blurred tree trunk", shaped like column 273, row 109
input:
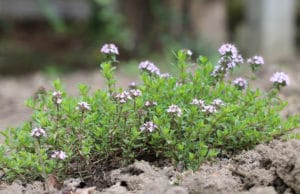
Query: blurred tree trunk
column 208, row 21
column 140, row 18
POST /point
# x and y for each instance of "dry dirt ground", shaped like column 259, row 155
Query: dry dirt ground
column 273, row 168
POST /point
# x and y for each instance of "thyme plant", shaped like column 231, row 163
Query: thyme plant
column 199, row 114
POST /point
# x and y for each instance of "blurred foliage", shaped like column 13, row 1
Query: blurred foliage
column 142, row 29
column 54, row 19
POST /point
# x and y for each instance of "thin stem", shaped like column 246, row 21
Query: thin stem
column 41, row 161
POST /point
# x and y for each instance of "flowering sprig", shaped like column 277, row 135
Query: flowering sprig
column 240, row 83
column 123, row 97
column 174, row 110
column 256, row 62
column 228, row 61
column 150, row 103
column 148, row 126
column 209, row 109
column 149, row 67
column 198, row 102
column 280, row 79
column 132, row 85
column 218, row 103
column 83, row 106
column 38, row 132
column 135, row 93
column 57, row 97
column 59, row 155
column 109, row 49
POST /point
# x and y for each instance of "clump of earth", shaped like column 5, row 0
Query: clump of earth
column 267, row 169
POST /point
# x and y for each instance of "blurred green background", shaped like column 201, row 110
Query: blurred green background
column 66, row 35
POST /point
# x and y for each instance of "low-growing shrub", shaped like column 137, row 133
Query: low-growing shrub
column 185, row 119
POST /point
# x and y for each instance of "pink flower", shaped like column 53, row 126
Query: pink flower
column 148, row 126
column 59, row 155
column 240, row 83
column 218, row 102
column 83, row 106
column 150, row 103
column 149, row 67
column 198, row 102
column 174, row 110
column 57, row 97
column 38, row 132
column 228, row 49
column 135, row 93
column 256, row 60
column 209, row 109
column 109, row 49
column 280, row 79
column 123, row 97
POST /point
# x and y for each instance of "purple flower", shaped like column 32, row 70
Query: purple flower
column 209, row 109
column 198, row 102
column 218, row 102
column 135, row 93
column 123, row 97
column 132, row 85
column 59, row 155
column 57, row 97
column 229, row 60
column 83, row 106
column 229, row 50
column 149, row 67
column 256, row 60
column 148, row 126
column 218, row 70
column 109, row 49
column 280, row 79
column 240, row 83
column 174, row 110
column 38, row 132
column 150, row 103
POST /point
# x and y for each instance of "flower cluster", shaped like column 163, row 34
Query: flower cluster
column 229, row 59
column 148, row 126
column 150, row 103
column 135, row 93
column 149, row 67
column 132, row 85
column 256, row 62
column 218, row 102
column 198, row 102
column 280, row 79
column 209, row 109
column 59, row 155
column 57, row 97
column 123, row 97
column 110, row 49
column 174, row 110
column 83, row 106
column 38, row 132
column 228, row 49
column 240, row 83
